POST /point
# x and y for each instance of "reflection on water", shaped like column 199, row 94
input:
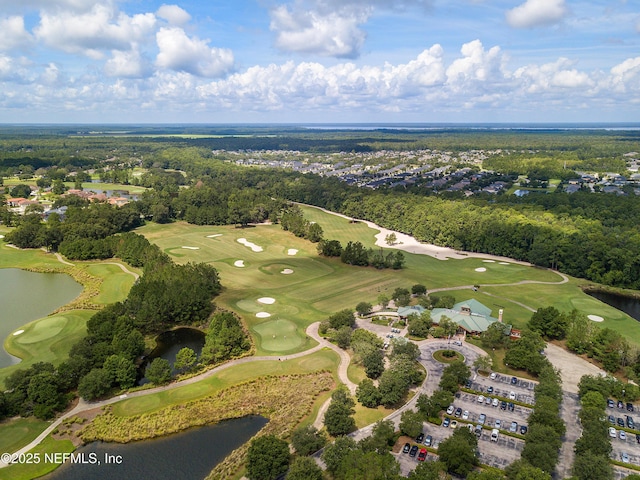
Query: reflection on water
column 188, row 455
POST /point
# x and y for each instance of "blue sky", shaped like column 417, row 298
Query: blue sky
column 305, row 61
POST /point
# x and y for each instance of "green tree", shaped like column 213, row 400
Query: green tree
column 307, row 440
column 369, row 465
column 367, row 394
column 336, row 452
column 94, row 384
column 121, row 370
column 419, row 325
column 391, row 238
column 483, row 363
column 304, row 468
column 314, row 233
column 401, row 297
column 338, row 418
column 383, row 300
column 21, row 191
column 363, row 308
column 185, row 359
column 487, row 474
column 411, row 423
column 458, row 452
column 429, row 471
column 158, row 371
column 522, row 470
column 589, row 467
column 418, row 289
column 267, row 458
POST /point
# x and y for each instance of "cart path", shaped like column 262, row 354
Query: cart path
column 312, row 331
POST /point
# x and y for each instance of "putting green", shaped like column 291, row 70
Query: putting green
column 278, row 335
column 46, row 328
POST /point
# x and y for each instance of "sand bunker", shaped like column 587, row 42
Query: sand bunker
column 251, row 245
column 489, row 261
column 481, row 269
column 504, row 263
column 18, row 332
column 263, row 315
column 215, row 235
column 292, row 251
column 1, row 236
column 191, row 248
column 267, row 300
column 593, row 318
column 286, row 271
column 238, row 263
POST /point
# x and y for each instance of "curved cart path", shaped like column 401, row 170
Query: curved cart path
column 312, row 331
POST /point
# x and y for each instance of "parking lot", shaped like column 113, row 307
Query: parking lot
column 629, row 445
column 503, row 385
column 469, row 402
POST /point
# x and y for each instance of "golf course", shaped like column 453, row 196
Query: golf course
column 279, row 285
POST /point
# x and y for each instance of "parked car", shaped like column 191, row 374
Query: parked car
column 523, row 429
column 480, row 398
column 514, row 427
column 503, row 405
column 468, row 383
column 512, row 395
column 610, row 403
column 465, row 415
column 458, row 343
column 495, row 402
column 493, row 375
column 638, row 437
column 406, row 448
column 487, row 400
column 498, row 424
column 489, row 389
column 511, row 407
column 422, row 456
column 612, row 420
column 454, row 424
column 514, row 381
column 482, row 419
column 620, row 404
column 428, row 441
column 622, row 434
column 450, row 409
column 478, row 430
column 613, row 432
column 446, row 422
column 620, row 422
column 630, row 422
column 458, row 412
column 414, row 451
column 420, row 438
column 624, row 456
column 629, row 407
column 494, row 435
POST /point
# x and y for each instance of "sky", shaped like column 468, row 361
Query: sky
column 319, row 61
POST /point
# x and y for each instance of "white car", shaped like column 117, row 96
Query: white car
column 495, row 402
column 498, row 424
column 512, row 395
column 622, row 434
column 480, row 398
column 493, row 376
column 612, row 432
column 465, row 415
column 450, row 409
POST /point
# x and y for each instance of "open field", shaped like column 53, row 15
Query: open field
column 115, row 285
column 320, row 286
column 36, row 470
column 18, row 432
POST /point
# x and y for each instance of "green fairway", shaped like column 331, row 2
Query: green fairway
column 28, row 471
column 15, row 433
column 278, row 335
column 46, row 340
column 115, row 285
column 322, row 360
column 314, row 287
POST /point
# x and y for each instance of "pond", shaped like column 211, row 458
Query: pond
column 169, row 343
column 26, row 296
column 629, row 305
column 190, row 454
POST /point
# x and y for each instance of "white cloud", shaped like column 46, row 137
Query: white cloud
column 180, row 53
column 173, row 14
column 556, row 77
column 626, row 76
column 335, row 34
column 535, row 13
column 77, row 5
column 13, row 34
column 93, row 32
column 126, row 64
column 476, row 65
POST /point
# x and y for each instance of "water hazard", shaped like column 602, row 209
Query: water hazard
column 190, row 455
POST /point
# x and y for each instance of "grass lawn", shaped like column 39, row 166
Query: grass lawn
column 115, row 285
column 439, row 356
column 35, row 470
column 356, row 373
column 497, row 357
column 323, row 360
column 15, row 433
column 366, row 416
column 46, row 340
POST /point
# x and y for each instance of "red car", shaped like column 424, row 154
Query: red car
column 422, row 456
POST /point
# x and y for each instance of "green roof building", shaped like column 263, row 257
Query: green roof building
column 470, row 315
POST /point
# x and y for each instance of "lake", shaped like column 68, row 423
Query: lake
column 26, row 296
column 629, row 305
column 191, row 454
